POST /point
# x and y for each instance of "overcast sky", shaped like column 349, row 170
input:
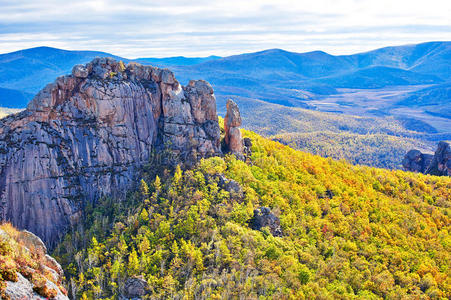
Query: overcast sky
column 202, row 28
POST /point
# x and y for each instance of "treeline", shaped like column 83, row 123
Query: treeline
column 377, row 150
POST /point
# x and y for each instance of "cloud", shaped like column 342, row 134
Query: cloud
column 198, row 28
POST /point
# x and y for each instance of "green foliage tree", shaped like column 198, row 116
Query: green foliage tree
column 349, row 232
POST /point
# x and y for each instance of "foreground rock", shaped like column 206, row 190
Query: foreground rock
column 232, row 122
column 28, row 271
column 437, row 164
column 87, row 134
column 263, row 217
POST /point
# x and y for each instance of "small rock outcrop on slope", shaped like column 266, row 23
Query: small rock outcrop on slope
column 437, row 164
column 232, row 122
column 263, row 217
column 135, row 288
column 28, row 272
column 87, row 134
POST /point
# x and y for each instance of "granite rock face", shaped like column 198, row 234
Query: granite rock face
column 437, row 164
column 87, row 134
column 232, row 122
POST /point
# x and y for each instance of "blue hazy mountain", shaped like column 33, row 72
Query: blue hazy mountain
column 13, row 98
column 30, row 70
column 275, row 75
column 436, row 100
column 293, row 79
column 427, row 59
column 375, row 77
column 430, row 58
column 175, row 61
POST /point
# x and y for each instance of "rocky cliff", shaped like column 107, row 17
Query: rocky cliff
column 437, row 164
column 87, row 134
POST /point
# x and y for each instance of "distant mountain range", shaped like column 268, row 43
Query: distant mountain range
column 410, row 84
column 314, row 72
column 175, row 61
column 31, row 69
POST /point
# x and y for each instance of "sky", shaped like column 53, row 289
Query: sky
column 201, row 28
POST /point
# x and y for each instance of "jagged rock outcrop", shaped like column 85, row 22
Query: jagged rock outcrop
column 263, row 217
column 87, row 134
column 437, row 164
column 441, row 162
column 232, row 122
column 416, row 161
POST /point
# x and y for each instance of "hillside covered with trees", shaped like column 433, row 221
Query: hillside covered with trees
column 347, row 232
column 379, row 142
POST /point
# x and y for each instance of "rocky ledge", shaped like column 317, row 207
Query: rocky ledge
column 28, row 272
column 87, row 134
column 437, row 164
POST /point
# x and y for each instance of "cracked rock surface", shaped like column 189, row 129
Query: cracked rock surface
column 87, row 134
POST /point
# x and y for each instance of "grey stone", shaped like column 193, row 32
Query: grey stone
column 135, row 287
column 231, row 186
column 441, row 162
column 438, row 164
column 31, row 241
column 232, row 121
column 263, row 217
column 80, row 71
column 84, row 137
column 23, row 289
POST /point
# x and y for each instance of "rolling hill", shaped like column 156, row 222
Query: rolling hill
column 175, row 61
column 406, row 85
column 313, row 73
column 13, row 98
column 30, row 69
column 435, row 100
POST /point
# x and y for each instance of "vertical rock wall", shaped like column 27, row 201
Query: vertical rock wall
column 87, row 134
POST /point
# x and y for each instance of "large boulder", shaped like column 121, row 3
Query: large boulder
column 23, row 289
column 231, row 186
column 135, row 288
column 24, row 283
column 87, row 134
column 31, row 241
